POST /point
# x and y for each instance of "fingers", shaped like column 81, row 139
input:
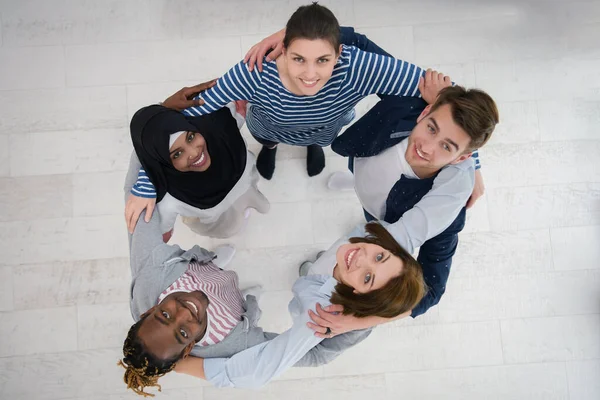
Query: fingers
column 334, row 308
column 149, row 211
column 317, row 319
column 421, row 84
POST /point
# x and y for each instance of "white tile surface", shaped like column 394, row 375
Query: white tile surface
column 32, row 68
column 34, row 197
column 98, row 194
column 576, row 247
column 102, row 325
column 34, row 23
column 551, row 339
column 4, row 159
column 88, row 65
column 62, row 109
column 6, row 289
column 71, row 283
column 533, row 381
column 583, row 379
column 520, row 315
column 414, row 348
column 504, row 168
column 70, row 151
column 502, row 253
column 63, row 239
column 544, row 206
column 20, row 331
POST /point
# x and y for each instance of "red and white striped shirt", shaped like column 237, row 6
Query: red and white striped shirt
column 225, row 306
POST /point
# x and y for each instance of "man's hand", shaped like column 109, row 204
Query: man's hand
column 257, row 52
column 431, row 84
column 184, row 98
column 478, row 189
column 331, row 317
column 134, row 207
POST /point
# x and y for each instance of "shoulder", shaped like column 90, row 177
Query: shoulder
column 461, row 175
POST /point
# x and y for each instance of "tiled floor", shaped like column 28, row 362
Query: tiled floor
column 521, row 317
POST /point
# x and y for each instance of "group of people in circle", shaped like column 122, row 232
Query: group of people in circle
column 412, row 161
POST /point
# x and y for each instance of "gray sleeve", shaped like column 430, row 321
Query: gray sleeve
column 146, row 237
column 329, row 349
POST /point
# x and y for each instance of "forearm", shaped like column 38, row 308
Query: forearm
column 193, row 366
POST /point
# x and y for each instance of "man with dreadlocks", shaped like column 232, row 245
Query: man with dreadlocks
column 185, row 303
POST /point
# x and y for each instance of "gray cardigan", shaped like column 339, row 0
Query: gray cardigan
column 155, row 265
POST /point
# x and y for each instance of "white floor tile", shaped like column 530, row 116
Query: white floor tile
column 414, row 348
column 20, row 331
column 32, row 68
column 6, row 289
column 71, row 283
column 576, row 248
column 504, row 165
column 70, row 151
column 67, row 239
column 583, row 379
column 544, row 206
column 350, row 388
column 4, row 155
column 534, row 381
column 35, row 197
column 88, row 65
column 569, row 120
column 551, row 339
column 518, row 124
column 35, row 23
column 502, row 253
column 63, row 109
column 102, row 325
column 98, row 193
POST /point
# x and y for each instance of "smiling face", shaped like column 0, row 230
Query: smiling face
column 436, row 141
column 175, row 324
column 366, row 266
column 308, row 65
column 189, row 153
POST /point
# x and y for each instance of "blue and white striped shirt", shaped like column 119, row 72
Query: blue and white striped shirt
column 280, row 116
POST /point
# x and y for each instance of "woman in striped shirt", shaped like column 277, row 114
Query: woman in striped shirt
column 305, row 97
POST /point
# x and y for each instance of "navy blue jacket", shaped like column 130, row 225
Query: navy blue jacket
column 385, row 125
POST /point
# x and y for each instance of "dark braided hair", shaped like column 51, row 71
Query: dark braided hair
column 142, row 368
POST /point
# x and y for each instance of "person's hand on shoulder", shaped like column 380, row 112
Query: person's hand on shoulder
column 134, row 207
column 431, row 84
column 184, row 98
column 255, row 55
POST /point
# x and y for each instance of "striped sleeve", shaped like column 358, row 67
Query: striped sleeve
column 375, row 73
column 237, row 84
column 143, row 187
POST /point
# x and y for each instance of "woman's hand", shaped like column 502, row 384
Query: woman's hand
column 478, row 189
column 184, row 98
column 431, row 84
column 331, row 317
column 257, row 52
column 134, row 207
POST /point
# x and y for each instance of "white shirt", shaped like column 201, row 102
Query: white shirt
column 374, row 177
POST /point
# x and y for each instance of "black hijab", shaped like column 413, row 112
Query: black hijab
column 150, row 130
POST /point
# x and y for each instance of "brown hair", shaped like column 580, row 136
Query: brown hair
column 142, row 368
column 313, row 22
column 473, row 110
column 399, row 295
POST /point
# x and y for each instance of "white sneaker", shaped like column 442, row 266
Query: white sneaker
column 341, row 180
column 225, row 253
column 304, row 268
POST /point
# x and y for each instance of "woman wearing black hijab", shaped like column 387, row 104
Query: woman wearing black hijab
column 200, row 169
